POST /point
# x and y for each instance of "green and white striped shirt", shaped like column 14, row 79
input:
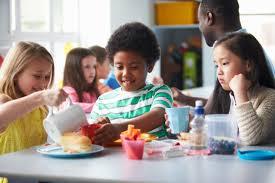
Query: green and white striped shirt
column 120, row 106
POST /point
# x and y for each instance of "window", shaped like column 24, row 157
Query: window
column 51, row 23
column 258, row 17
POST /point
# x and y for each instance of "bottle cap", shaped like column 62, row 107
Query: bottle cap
column 198, row 103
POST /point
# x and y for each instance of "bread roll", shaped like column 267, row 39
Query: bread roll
column 74, row 142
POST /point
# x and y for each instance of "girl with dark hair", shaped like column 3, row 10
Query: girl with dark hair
column 245, row 87
column 79, row 78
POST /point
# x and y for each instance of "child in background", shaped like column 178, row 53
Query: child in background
column 244, row 77
column 79, row 79
column 102, row 68
column 111, row 81
column 26, row 74
column 133, row 51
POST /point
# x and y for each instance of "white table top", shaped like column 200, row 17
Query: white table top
column 203, row 92
column 112, row 165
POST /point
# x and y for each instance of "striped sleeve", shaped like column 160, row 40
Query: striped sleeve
column 98, row 110
column 162, row 98
column 95, row 112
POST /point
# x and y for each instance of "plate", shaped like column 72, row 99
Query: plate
column 145, row 136
column 57, row 151
column 148, row 137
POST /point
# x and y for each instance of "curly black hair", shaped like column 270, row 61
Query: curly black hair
column 134, row 37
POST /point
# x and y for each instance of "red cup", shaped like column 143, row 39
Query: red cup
column 133, row 148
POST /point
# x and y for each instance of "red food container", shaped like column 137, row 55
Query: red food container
column 133, row 148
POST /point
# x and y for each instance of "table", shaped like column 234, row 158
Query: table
column 112, row 165
column 202, row 92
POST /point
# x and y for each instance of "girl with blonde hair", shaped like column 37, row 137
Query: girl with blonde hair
column 25, row 76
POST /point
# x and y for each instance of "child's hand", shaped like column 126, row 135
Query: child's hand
column 107, row 134
column 102, row 120
column 54, row 97
column 239, row 84
column 168, row 129
column 178, row 96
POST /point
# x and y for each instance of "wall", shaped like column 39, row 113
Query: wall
column 102, row 17
column 95, row 23
column 123, row 11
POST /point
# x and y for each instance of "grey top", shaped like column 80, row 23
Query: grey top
column 112, row 165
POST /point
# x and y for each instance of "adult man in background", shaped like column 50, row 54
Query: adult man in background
column 216, row 19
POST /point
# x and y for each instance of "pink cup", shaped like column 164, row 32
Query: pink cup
column 133, row 148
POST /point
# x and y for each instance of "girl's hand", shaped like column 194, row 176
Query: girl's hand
column 107, row 134
column 54, row 97
column 240, row 85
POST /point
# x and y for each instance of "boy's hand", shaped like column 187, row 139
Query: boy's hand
column 103, row 120
column 168, row 129
column 107, row 133
column 54, row 97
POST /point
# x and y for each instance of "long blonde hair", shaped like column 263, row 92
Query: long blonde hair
column 17, row 59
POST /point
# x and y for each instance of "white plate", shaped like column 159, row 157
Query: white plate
column 57, row 151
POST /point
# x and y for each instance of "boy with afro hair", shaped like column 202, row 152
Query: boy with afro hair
column 133, row 50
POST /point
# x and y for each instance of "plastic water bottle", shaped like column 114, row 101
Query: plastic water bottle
column 198, row 132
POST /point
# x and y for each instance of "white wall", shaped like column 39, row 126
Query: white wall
column 123, row 11
column 99, row 18
column 95, row 25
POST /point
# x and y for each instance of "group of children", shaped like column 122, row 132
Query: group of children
column 28, row 71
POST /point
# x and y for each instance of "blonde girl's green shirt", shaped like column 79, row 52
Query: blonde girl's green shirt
column 24, row 132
